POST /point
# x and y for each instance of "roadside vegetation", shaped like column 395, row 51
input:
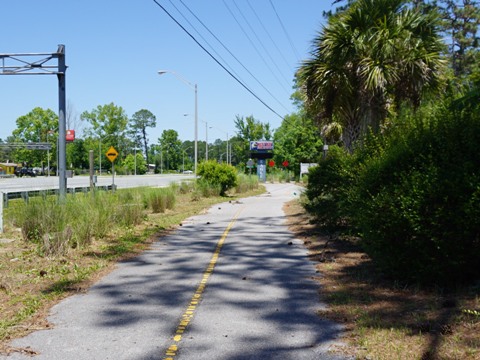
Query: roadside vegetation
column 388, row 121
column 394, row 205
column 384, row 318
column 50, row 251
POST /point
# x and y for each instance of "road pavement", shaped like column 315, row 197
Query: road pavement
column 15, row 184
column 231, row 284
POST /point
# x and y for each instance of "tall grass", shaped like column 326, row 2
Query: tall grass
column 280, row 175
column 246, row 183
column 206, row 189
column 160, row 199
column 82, row 218
column 57, row 228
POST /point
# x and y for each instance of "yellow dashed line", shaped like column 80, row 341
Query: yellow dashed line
column 192, row 306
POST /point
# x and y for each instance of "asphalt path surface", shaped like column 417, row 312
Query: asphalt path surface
column 231, row 284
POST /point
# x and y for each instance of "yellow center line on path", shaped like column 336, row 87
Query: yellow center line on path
column 187, row 316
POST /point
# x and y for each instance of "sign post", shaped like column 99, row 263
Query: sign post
column 250, row 165
column 112, row 155
column 1, row 212
column 262, row 170
column 261, row 150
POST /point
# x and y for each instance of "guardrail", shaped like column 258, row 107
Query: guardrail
column 25, row 195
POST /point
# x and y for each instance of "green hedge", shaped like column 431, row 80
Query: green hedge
column 328, row 188
column 413, row 195
column 418, row 203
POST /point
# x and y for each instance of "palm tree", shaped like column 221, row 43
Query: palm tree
column 371, row 57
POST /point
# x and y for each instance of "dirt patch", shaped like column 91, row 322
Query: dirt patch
column 383, row 318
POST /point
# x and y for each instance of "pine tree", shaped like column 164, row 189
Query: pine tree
column 461, row 19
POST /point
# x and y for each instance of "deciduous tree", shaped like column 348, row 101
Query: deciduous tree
column 297, row 140
column 39, row 125
column 108, row 124
column 139, row 123
column 170, row 147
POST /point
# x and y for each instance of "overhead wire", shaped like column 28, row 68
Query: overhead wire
column 285, row 32
column 268, row 33
column 262, row 45
column 205, row 40
column 215, row 59
column 252, row 43
column 233, row 55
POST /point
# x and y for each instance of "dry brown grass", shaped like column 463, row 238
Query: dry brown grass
column 384, row 319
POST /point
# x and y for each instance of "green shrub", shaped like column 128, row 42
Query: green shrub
column 418, row 201
column 213, row 174
column 102, row 204
column 327, row 193
column 279, row 175
column 57, row 227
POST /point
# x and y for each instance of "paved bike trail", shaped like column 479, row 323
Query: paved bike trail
column 231, row 284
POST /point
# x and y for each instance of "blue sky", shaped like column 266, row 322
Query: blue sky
column 114, row 49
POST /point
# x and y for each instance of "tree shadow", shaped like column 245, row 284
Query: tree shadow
column 359, row 295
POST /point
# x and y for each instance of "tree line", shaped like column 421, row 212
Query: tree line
column 108, row 125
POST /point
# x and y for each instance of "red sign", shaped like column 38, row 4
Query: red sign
column 271, row 163
column 70, row 135
column 285, row 163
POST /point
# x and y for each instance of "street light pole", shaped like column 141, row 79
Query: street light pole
column 48, row 154
column 135, row 159
column 196, row 131
column 227, row 150
column 206, row 139
column 194, row 87
column 183, row 160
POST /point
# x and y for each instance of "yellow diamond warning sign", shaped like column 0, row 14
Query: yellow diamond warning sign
column 111, row 154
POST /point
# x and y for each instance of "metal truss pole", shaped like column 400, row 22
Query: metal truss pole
column 15, row 64
column 62, row 131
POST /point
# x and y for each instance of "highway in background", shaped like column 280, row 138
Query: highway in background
column 46, row 183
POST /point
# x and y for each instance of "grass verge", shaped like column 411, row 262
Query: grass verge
column 31, row 280
column 384, row 319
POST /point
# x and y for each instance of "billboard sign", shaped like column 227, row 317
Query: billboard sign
column 261, row 146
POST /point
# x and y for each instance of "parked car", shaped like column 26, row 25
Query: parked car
column 24, row 171
column 38, row 171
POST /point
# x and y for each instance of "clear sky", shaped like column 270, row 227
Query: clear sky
column 114, row 49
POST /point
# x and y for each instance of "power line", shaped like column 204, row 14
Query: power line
column 285, row 32
column 215, row 59
column 261, row 44
column 252, row 43
column 268, row 33
column 211, row 47
column 233, row 55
